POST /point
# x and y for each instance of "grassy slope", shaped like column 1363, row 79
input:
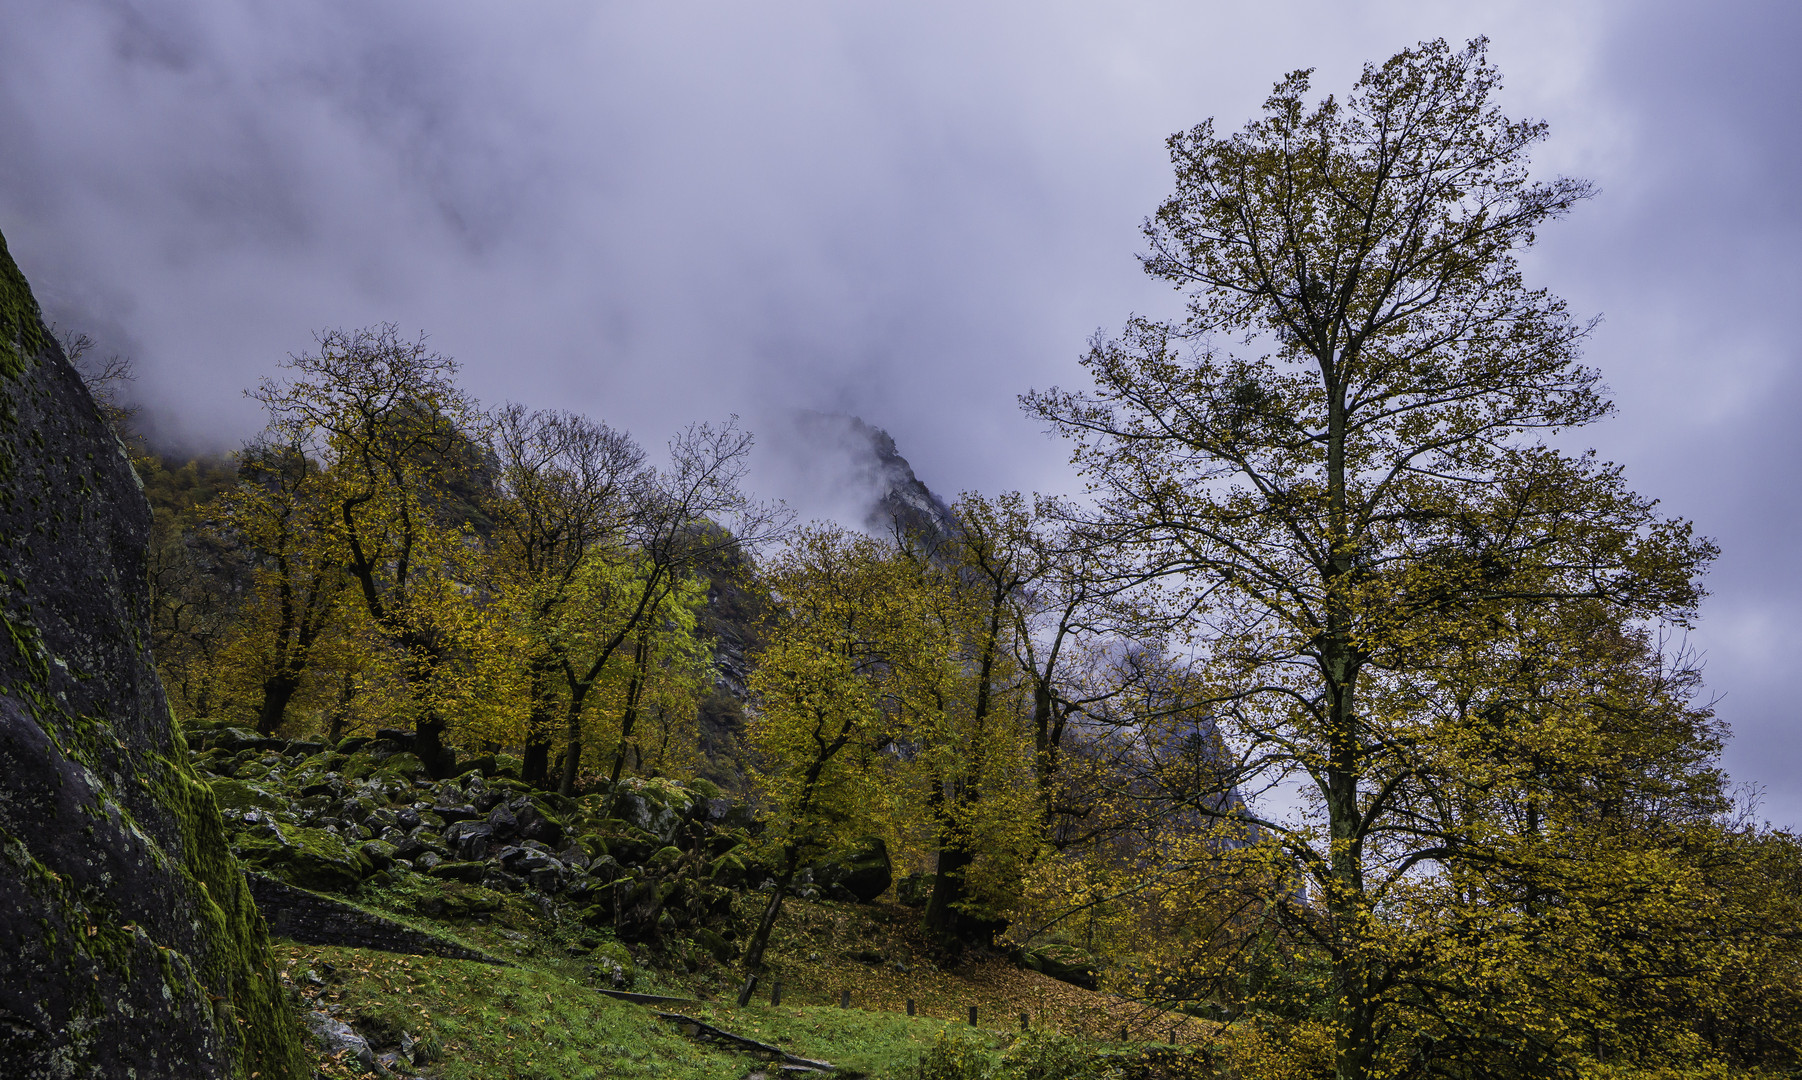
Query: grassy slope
column 541, row 1020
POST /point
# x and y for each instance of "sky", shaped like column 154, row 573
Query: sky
column 656, row 213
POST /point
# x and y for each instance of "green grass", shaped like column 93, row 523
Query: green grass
column 490, row 1022
column 877, row 1044
column 542, row 1020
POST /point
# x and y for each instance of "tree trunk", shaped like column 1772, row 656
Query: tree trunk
column 429, row 748
column 572, row 750
column 941, row 920
column 535, row 766
column 761, row 939
column 277, row 691
column 630, row 719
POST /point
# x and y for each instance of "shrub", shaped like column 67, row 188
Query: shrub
column 952, row 1058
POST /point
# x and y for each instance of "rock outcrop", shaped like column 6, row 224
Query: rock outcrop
column 129, row 943
column 647, row 860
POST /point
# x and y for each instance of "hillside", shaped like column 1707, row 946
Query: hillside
column 643, row 889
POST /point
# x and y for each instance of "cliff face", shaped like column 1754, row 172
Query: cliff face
column 874, row 475
column 129, row 944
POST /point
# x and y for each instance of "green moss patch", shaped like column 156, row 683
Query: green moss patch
column 240, row 796
column 309, row 858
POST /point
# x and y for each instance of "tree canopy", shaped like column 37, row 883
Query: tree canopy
column 1339, row 462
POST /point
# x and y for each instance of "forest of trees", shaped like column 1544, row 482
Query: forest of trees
column 1344, row 703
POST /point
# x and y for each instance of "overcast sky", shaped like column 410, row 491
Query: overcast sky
column 664, row 211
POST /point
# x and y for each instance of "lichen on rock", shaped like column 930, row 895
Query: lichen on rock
column 129, row 944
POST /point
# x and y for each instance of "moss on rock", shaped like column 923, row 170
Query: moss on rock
column 309, row 858
column 129, row 944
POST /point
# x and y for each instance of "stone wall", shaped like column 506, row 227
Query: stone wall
column 313, row 919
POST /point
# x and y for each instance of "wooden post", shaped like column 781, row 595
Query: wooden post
column 910, row 1006
column 744, row 993
column 776, row 993
column 972, row 1016
column 844, row 999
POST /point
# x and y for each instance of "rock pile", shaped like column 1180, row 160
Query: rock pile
column 645, row 859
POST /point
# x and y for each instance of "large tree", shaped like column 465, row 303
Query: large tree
column 565, row 487
column 395, row 436
column 1340, row 459
column 833, row 692
column 278, row 516
column 678, row 520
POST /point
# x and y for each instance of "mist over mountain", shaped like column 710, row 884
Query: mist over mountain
column 840, row 467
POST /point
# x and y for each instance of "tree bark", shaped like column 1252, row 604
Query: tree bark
column 277, row 691
column 429, row 748
column 761, row 939
column 535, row 766
column 640, row 656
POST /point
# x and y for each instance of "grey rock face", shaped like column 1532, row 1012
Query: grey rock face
column 128, row 941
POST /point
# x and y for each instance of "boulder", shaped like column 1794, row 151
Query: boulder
column 544, row 872
column 469, row 872
column 613, row 962
column 470, row 839
column 727, row 870
column 240, row 796
column 484, row 765
column 863, row 872
column 310, row 858
column 655, row 808
column 129, row 944
column 337, row 1037
column 504, row 825
column 537, row 822
column 405, row 766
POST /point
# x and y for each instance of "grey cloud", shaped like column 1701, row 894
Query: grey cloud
column 909, row 212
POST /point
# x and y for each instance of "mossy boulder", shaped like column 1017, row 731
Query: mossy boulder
column 914, row 889
column 310, row 858
column 129, row 943
column 470, row 871
column 628, row 843
column 451, row 899
column 483, row 766
column 728, row 870
column 240, row 796
column 657, row 807
column 615, row 964
column 864, row 871
column 719, row 948
column 404, row 766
